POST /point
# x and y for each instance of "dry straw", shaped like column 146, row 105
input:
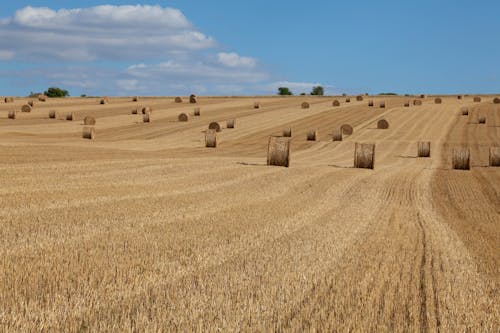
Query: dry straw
column 313, row 135
column 305, row 105
column 70, row 116
column 278, row 151
column 465, row 111
column 26, row 108
column 178, row 99
column 422, row 96
column 197, row 112
column 215, row 126
column 230, row 123
column 287, row 132
column 135, row 99
column 382, row 104
column 182, row 117
column 473, row 117
column 31, row 103
column 477, row 99
column 382, row 124
column 359, row 98
column 211, row 138
column 364, row 155
column 424, row 149
column 12, row 114
column 482, row 119
column 336, row 102
column 42, row 98
column 461, row 158
column 459, row 97
column 494, row 157
column 370, row 102
column 337, row 134
column 438, row 100
column 88, row 120
column 347, row 129
column 147, row 110
column 496, row 100
column 407, row 104
column 52, row 114
column 136, row 110
column 348, row 100
column 256, row 105
column 146, row 118
column 9, row 99
column 193, row 99
column 417, row 102
column 88, row 133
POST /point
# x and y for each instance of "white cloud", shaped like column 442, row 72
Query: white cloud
column 234, row 60
column 100, row 33
column 6, row 55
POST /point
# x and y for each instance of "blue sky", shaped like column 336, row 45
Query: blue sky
column 222, row 47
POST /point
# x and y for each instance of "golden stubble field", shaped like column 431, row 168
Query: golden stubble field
column 145, row 230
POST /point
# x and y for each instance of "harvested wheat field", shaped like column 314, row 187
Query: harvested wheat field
column 145, row 229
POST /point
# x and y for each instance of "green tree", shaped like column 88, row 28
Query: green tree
column 284, row 91
column 318, row 91
column 56, row 92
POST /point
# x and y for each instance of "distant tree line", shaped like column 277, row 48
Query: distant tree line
column 316, row 91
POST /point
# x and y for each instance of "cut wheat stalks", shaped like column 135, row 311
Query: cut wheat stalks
column 53, row 114
column 347, row 129
column 313, row 135
column 230, row 123
column 211, row 138
column 473, row 117
column 337, row 134
column 12, row 114
column 88, row 120
column 335, row 103
column 146, row 118
column 193, row 99
column 178, row 99
column 278, row 151
column 88, row 133
column 70, row 116
column 197, row 112
column 461, row 158
column 26, row 108
column 215, row 126
column 438, row 100
column 424, row 149
column 359, row 98
column 364, row 155
column 287, row 132
column 494, row 157
column 482, row 119
column 9, row 99
column 477, row 99
column 417, row 102
column 182, row 117
column 382, row 124
column 305, row 105
column 370, row 103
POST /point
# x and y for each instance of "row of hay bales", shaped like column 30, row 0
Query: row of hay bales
column 473, row 116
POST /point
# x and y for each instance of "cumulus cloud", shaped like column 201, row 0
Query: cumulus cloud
column 234, row 60
column 100, row 33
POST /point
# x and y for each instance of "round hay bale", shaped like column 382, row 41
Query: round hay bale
column 136, row 110
column 382, row 124
column 88, row 133
column 348, row 100
column 359, row 98
column 193, row 99
column 88, row 120
column 382, row 104
column 482, row 119
column 256, row 105
column 287, row 132
column 465, row 111
column 215, row 126
column 424, row 149
column 197, row 112
column 42, row 98
column 9, row 99
column 52, row 114
column 494, row 157
column 305, row 105
column 147, row 110
column 422, row 96
column 313, row 135
column 459, row 97
column 347, row 129
column 178, row 99
column 417, row 102
column 135, row 99
column 278, row 151
column 26, row 108
column 12, row 114
column 477, row 99
column 370, row 103
column 211, row 138
column 496, row 100
column 104, row 100
column 146, row 118
column 407, row 104
column 70, row 116
column 230, row 123
column 364, row 155
column 337, row 134
column 438, row 100
column 30, row 103
column 336, row 102
column 461, row 158
column 182, row 117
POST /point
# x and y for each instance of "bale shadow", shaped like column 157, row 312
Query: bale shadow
column 340, row 166
column 251, row 164
column 406, row 156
